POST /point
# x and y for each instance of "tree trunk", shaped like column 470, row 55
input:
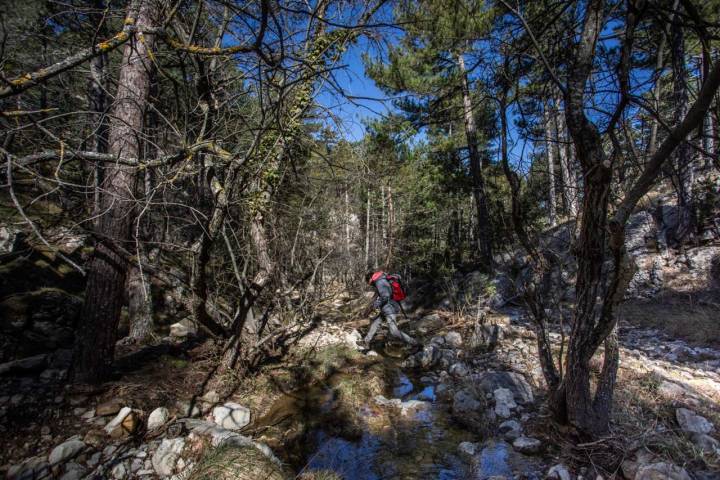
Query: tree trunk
column 567, row 165
column 683, row 166
column 549, row 141
column 389, row 229
column 367, row 230
column 484, row 228
column 140, row 305
column 104, row 294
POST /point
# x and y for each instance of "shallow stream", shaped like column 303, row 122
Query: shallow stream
column 405, row 434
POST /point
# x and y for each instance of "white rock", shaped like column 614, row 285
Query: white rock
column 183, row 328
column 167, row 455
column 454, row 339
column 468, row 448
column 119, row 471
column 527, row 445
column 231, row 416
column 117, row 421
column 65, row 451
column 504, row 402
column 158, row 418
column 559, row 472
column 690, row 422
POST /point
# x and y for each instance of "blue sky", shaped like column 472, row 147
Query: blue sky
column 351, row 112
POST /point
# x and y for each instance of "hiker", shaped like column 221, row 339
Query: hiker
column 385, row 301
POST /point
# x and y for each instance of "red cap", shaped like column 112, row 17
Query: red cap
column 375, row 276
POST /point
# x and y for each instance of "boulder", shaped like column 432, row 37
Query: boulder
column 427, row 324
column 527, row 445
column 661, row 471
column 559, row 472
column 691, row 423
column 158, row 418
column 231, row 416
column 516, row 383
column 182, row 329
column 504, row 402
column 65, row 451
column 166, row 457
column 468, row 410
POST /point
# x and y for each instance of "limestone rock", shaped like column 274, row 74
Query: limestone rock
column 65, row 451
column 158, row 418
column 124, row 423
column 516, row 383
column 504, row 402
column 182, row 329
column 692, row 423
column 167, row 455
column 231, row 416
column 454, row 339
column 527, row 445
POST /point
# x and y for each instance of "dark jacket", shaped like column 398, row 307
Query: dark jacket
column 384, row 300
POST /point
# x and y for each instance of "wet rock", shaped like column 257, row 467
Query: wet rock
column 65, row 451
column 158, row 418
column 168, row 453
column 111, row 407
column 231, row 416
column 504, row 402
column 559, row 472
column 454, row 339
column 661, row 471
column 692, row 423
column 182, row 329
column 30, row 469
column 510, row 430
column 527, row 445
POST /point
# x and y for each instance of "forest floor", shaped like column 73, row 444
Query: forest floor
column 460, row 408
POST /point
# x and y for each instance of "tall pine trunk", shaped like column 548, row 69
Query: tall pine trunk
column 549, row 153
column 104, row 294
column 484, row 228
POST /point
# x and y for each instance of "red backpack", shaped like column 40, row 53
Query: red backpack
column 398, row 289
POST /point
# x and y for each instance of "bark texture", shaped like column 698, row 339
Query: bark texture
column 104, row 294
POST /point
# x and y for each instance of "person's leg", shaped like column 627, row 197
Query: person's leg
column 397, row 333
column 373, row 330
